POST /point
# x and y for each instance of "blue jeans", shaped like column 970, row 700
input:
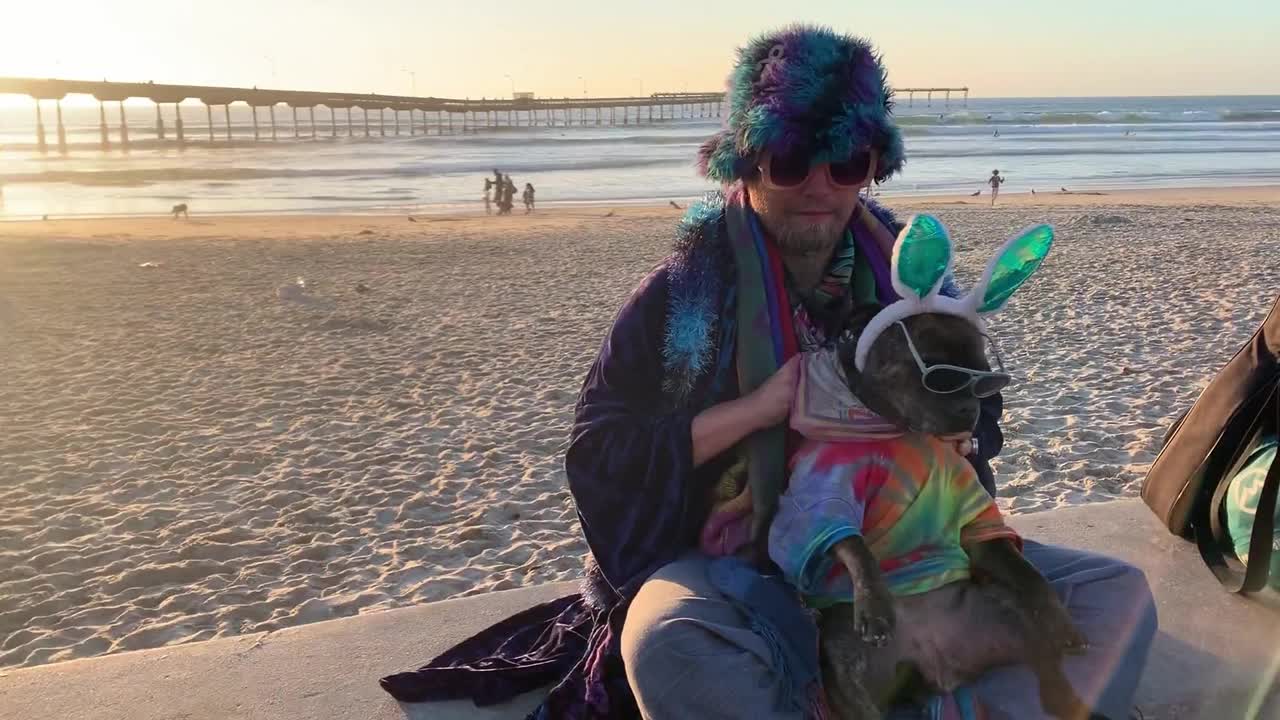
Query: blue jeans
column 690, row 654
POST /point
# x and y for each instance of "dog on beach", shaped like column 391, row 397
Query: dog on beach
column 921, row 364
column 950, row 635
column 180, row 209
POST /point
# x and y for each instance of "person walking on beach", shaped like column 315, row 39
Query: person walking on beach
column 995, row 181
column 678, row 450
column 528, row 198
column 498, row 185
column 488, row 187
column 500, row 195
column 509, row 195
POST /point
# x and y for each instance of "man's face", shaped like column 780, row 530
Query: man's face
column 809, row 217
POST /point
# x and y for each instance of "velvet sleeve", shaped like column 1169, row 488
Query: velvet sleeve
column 990, row 440
column 630, row 458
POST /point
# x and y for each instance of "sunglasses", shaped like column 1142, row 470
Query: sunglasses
column 792, row 169
column 947, row 379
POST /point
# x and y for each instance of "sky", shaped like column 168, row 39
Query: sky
column 461, row 48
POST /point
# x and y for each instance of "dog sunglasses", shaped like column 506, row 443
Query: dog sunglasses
column 792, row 169
column 947, row 379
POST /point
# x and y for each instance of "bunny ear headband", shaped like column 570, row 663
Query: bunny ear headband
column 922, row 258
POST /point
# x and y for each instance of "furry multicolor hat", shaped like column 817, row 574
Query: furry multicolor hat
column 804, row 89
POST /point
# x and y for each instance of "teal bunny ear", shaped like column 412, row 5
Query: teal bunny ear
column 921, row 257
column 1017, row 260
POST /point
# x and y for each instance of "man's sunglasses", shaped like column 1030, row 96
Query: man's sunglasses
column 947, row 379
column 792, row 169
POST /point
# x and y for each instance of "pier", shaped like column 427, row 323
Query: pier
column 351, row 114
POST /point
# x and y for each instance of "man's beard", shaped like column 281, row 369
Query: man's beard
column 796, row 239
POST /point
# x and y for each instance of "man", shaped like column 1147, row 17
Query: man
column 995, row 181
column 679, row 445
column 809, row 127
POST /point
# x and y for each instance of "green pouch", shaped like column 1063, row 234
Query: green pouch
column 1241, row 504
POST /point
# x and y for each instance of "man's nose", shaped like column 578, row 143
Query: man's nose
column 818, row 182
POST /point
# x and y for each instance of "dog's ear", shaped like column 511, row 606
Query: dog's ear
column 858, row 319
column 854, row 324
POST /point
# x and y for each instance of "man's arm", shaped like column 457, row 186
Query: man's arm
column 631, row 462
column 988, row 440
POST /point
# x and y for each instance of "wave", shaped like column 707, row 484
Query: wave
column 222, row 177
column 975, row 151
column 1251, row 115
column 93, row 145
column 1034, row 119
column 540, row 139
column 683, row 139
column 941, row 119
column 351, row 198
column 1101, row 117
column 141, row 177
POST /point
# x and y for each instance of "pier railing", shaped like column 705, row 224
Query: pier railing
column 425, row 114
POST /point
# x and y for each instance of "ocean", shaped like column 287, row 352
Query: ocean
column 1043, row 144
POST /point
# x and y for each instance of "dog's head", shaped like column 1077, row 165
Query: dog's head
column 891, row 355
column 891, row 383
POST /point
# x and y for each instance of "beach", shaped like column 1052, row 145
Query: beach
column 242, row 423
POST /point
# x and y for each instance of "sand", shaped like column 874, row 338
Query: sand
column 205, row 446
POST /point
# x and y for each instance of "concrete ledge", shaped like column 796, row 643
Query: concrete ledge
column 322, row 671
column 1213, row 655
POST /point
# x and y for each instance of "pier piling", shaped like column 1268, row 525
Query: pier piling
column 40, row 143
column 62, row 130
column 124, row 129
column 104, row 140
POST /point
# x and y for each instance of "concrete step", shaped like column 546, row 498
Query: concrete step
column 1216, row 654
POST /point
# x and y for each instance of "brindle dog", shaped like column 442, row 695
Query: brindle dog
column 876, row 648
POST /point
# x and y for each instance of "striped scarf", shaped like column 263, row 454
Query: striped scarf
column 830, row 302
column 767, row 306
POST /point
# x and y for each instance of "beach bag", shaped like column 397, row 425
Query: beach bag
column 1223, row 437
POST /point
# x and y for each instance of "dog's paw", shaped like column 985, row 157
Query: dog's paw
column 873, row 617
column 1059, row 699
column 1057, row 628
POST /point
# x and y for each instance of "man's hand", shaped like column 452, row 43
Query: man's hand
column 721, row 426
column 962, row 442
column 771, row 402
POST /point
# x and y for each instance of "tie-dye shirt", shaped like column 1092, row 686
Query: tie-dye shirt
column 914, row 499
